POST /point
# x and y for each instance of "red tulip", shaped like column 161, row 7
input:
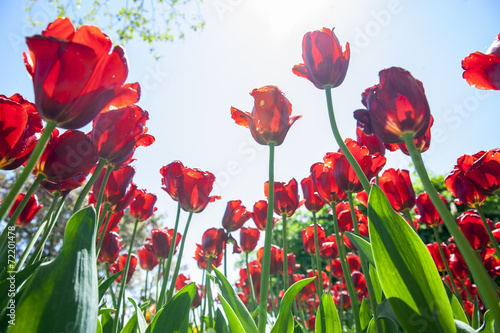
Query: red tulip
column 428, row 213
column 142, row 206
column 342, row 298
column 286, row 197
column 120, row 265
column 310, row 273
column 29, row 211
column 483, row 70
column 162, row 240
column 75, row 75
column 422, row 144
column 182, row 281
column 171, row 178
column 370, row 164
column 436, row 255
column 292, row 263
column 484, row 173
column 462, row 187
column 353, row 261
column 19, row 125
column 64, row 187
column 197, row 297
column 201, row 259
column 458, row 267
column 194, row 190
column 259, row 215
column 147, row 260
column 343, row 211
column 117, row 133
column 66, row 159
column 114, row 219
column 328, row 249
column 324, row 62
column 395, row 106
column 213, row 241
column 473, row 228
column 313, row 201
column 308, row 239
column 119, row 190
column 372, row 142
column 271, row 116
column 362, row 197
column 249, row 237
column 335, row 267
column 110, row 248
column 359, row 281
column 235, row 216
column 324, row 180
column 396, row 184
column 276, row 264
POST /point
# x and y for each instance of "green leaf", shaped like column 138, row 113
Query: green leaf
column 463, row 327
column 456, row 307
column 62, row 294
column 153, row 322
column 234, row 302
column 298, row 328
column 362, row 245
column 234, row 322
column 387, row 325
column 475, row 314
column 282, row 323
column 332, row 320
column 136, row 323
column 365, row 314
column 384, row 310
column 220, row 322
column 411, row 281
column 175, row 314
column 488, row 323
column 103, row 286
column 107, row 322
column 99, row 326
column 376, row 283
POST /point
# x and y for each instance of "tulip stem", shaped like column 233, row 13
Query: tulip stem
column 204, row 305
column 158, row 278
column 146, row 287
column 347, row 273
column 285, row 255
column 365, row 266
column 445, row 262
column 166, row 271
column 113, row 296
column 407, row 215
column 488, row 230
column 209, row 294
column 88, row 186
column 477, row 270
column 352, row 161
column 105, row 209
column 109, row 169
column 26, row 198
column 266, row 258
column 252, row 290
column 21, row 179
column 179, row 258
column 318, row 258
column 124, row 277
column 225, row 256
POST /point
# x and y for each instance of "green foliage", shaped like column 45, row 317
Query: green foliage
column 328, row 311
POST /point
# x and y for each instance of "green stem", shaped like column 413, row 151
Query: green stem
column 477, row 270
column 266, row 259
column 452, row 280
column 109, row 169
column 105, row 209
column 209, row 294
column 194, row 321
column 225, row 256
column 252, row 290
column 179, row 258
column 285, row 255
column 352, row 161
column 407, row 215
column 88, row 186
column 124, row 276
column 166, row 272
column 347, row 273
column 113, row 296
column 365, row 266
column 204, row 305
column 21, row 179
column 488, row 230
column 158, row 278
column 27, row 196
column 146, row 287
column 318, row 258
column 330, row 278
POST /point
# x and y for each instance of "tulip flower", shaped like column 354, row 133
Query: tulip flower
column 286, row 197
column 395, row 106
column 76, row 74
column 328, row 249
column 201, row 259
column 422, row 144
column 235, row 216
column 117, row 133
column 270, row 119
column 474, row 230
column 194, row 190
column 161, row 241
column 343, row 211
column 259, row 215
column 120, row 265
column 484, row 173
column 142, row 206
column 212, row 242
column 110, row 248
column 171, row 176
column 114, row 220
column 308, row 239
column 276, row 264
column 372, row 142
column 119, row 190
column 182, row 281
column 19, row 125
column 324, row 181
column 249, row 237
column 462, row 187
column 428, row 213
column 147, row 259
column 312, row 200
column 482, row 70
column 396, row 184
column 324, row 62
column 436, row 256
column 29, row 211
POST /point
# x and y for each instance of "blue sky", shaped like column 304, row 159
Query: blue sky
column 249, row 44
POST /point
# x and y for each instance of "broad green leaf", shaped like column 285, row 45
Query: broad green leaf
column 362, row 245
column 332, row 320
column 282, row 323
column 386, row 324
column 220, row 322
column 175, row 314
column 475, row 315
column 62, row 294
column 99, row 326
column 104, row 285
column 463, row 327
column 376, row 283
column 298, row 328
column 456, row 307
column 136, row 323
column 365, row 314
column 235, row 302
column 153, row 322
column 487, row 326
column 234, row 322
column 384, row 310
column 107, row 322
column 410, row 281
